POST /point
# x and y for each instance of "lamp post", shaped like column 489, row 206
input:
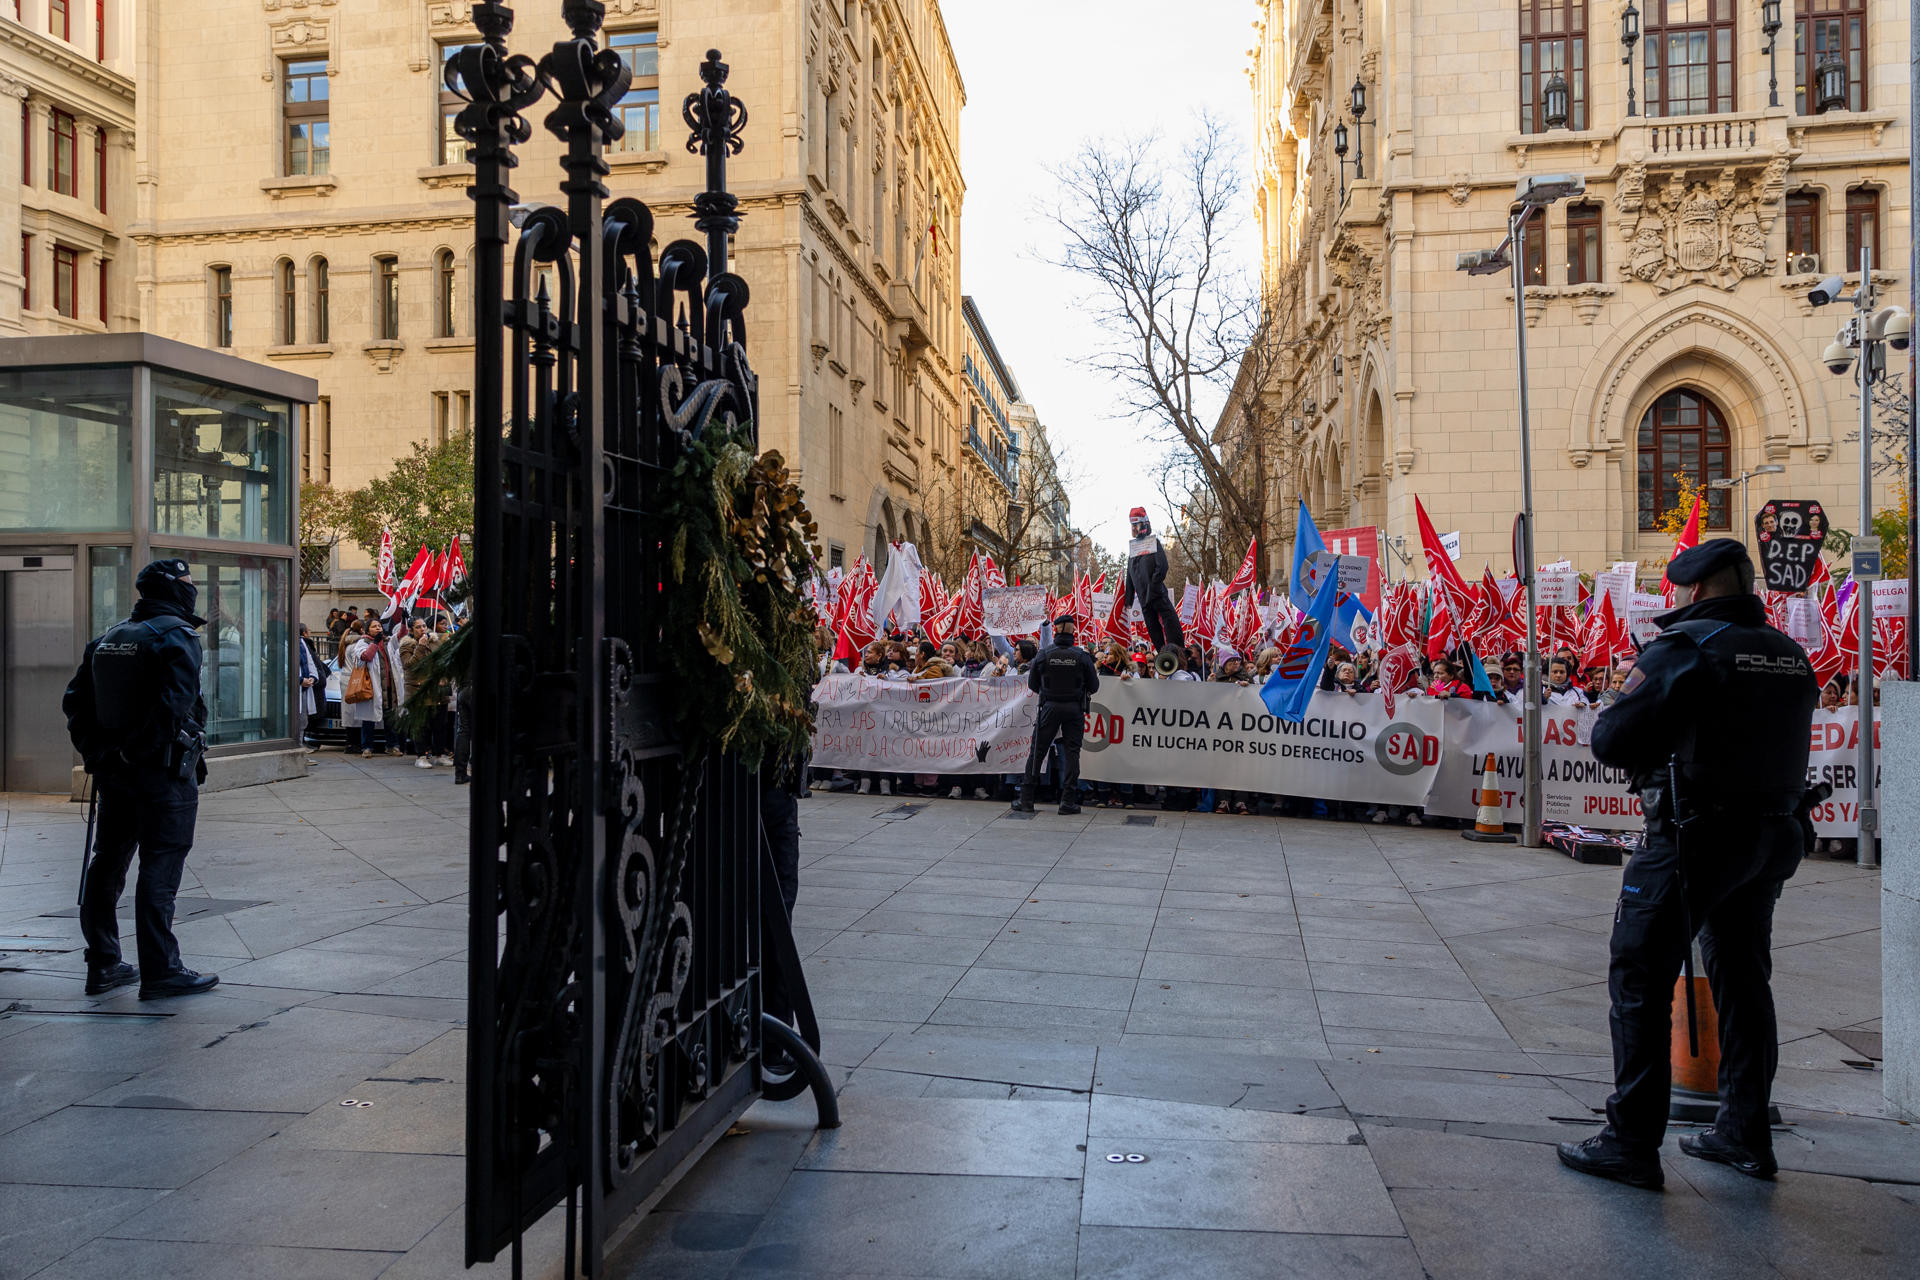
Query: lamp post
column 1630, row 36
column 1340, row 150
column 1770, row 27
column 1555, row 102
column 1359, row 105
column 1860, row 348
column 1532, row 194
column 1770, row 469
column 1830, row 82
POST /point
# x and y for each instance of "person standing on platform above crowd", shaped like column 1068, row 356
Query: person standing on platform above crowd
column 1713, row 724
column 1064, row 677
column 1145, row 583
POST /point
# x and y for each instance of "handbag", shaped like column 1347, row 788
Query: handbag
column 359, row 686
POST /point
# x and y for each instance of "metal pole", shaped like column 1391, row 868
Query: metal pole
column 1913, row 366
column 1530, row 709
column 1863, row 591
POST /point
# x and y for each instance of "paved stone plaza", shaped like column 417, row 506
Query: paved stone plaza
column 1342, row 1049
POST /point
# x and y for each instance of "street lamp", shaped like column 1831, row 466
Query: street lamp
column 1770, row 469
column 1830, row 79
column 1532, row 194
column 1556, row 102
column 1868, row 334
column 1629, row 36
column 1770, row 27
column 1340, row 150
column 1359, row 104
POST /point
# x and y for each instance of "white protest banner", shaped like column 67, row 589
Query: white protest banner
column 1189, row 601
column 1617, row 587
column 1012, row 611
column 1575, row 787
column 1890, row 598
column 1556, row 587
column 1629, row 567
column 1354, row 572
column 1451, row 541
column 1803, row 626
column 1641, row 609
column 1188, row 734
column 930, row 726
column 1102, row 605
column 1558, row 564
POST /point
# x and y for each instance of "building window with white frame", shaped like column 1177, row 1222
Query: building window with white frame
column 639, row 109
column 308, row 134
column 220, row 298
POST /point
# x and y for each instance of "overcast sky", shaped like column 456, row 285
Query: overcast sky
column 1042, row 76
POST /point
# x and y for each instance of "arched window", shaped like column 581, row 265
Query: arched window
column 1838, row 29
column 322, row 323
column 1683, row 434
column 446, row 299
column 386, row 298
column 289, row 302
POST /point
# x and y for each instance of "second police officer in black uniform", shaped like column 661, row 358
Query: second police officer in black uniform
column 1065, row 678
column 136, row 717
column 1713, row 726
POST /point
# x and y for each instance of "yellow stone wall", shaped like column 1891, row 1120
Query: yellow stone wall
column 1695, row 290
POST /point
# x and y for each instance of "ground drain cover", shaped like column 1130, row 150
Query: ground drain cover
column 1865, row 1043
column 183, row 908
column 1139, row 820
column 900, row 813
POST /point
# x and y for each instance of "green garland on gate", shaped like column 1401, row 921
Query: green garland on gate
column 736, row 637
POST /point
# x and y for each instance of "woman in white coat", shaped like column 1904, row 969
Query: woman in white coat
column 366, row 650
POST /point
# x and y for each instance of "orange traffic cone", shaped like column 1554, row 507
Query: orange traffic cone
column 1488, row 826
column 1695, row 1055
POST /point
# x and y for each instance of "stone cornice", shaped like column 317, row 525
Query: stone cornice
column 56, row 54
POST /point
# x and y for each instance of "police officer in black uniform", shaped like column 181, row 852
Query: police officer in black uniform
column 136, row 717
column 1713, row 726
column 1065, row 678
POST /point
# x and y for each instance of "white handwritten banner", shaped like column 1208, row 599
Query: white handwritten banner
column 1013, row 611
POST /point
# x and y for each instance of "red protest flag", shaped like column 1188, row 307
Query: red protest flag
column 386, row 581
column 1688, row 539
column 1243, row 577
column 1441, row 568
column 410, row 586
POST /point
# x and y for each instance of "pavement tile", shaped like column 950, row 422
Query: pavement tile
column 1239, row 1186
column 855, row 1224
column 1117, row 1118
column 39, row 1224
column 1071, row 990
column 953, row 1136
column 127, row 1146
column 233, row 1076
column 178, row 1260
column 981, row 1055
column 1179, row 966
column 1171, row 1071
column 322, row 1200
column 1154, row 1253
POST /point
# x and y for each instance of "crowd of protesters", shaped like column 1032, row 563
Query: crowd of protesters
column 392, row 651
column 911, row 656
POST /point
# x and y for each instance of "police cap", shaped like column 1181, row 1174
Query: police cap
column 156, row 577
column 1064, row 620
column 1697, row 564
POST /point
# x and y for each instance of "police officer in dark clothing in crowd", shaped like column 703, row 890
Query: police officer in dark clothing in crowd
column 136, row 717
column 1713, row 725
column 1064, row 676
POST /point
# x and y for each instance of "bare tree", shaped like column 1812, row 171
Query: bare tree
column 1151, row 240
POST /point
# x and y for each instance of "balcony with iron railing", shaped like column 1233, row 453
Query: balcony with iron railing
column 1003, row 472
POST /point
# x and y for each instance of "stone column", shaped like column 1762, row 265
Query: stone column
column 86, row 185
column 37, row 111
column 13, row 104
column 1900, row 893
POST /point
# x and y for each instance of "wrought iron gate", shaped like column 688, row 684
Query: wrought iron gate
column 614, row 997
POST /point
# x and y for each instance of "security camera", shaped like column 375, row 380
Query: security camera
column 1838, row 357
column 1826, row 291
column 1895, row 327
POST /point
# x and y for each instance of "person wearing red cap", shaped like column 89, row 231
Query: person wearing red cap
column 1146, row 582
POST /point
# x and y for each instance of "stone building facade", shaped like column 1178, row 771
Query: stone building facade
column 302, row 202
column 66, row 166
column 1667, row 313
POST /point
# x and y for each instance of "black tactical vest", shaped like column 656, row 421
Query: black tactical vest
column 126, row 691
column 1748, row 748
column 1061, row 679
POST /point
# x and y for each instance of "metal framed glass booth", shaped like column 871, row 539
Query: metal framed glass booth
column 119, row 448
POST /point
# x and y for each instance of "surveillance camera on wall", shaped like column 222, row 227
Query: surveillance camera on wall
column 1826, row 291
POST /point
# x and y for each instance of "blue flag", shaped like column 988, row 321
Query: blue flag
column 1306, row 541
column 1480, row 682
column 1290, row 687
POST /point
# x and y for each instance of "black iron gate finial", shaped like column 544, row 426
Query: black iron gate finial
column 717, row 119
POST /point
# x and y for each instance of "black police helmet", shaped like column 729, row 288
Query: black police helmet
column 1697, row 564
column 1064, row 620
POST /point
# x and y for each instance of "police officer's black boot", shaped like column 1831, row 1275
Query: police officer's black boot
column 181, row 982
column 1604, row 1156
column 1021, row 804
column 102, row 980
column 1069, row 807
column 1710, row 1145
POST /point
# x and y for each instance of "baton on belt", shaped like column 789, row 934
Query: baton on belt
column 86, row 851
column 1686, row 910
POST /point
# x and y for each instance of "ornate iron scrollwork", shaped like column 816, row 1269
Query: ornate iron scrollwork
column 614, row 984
